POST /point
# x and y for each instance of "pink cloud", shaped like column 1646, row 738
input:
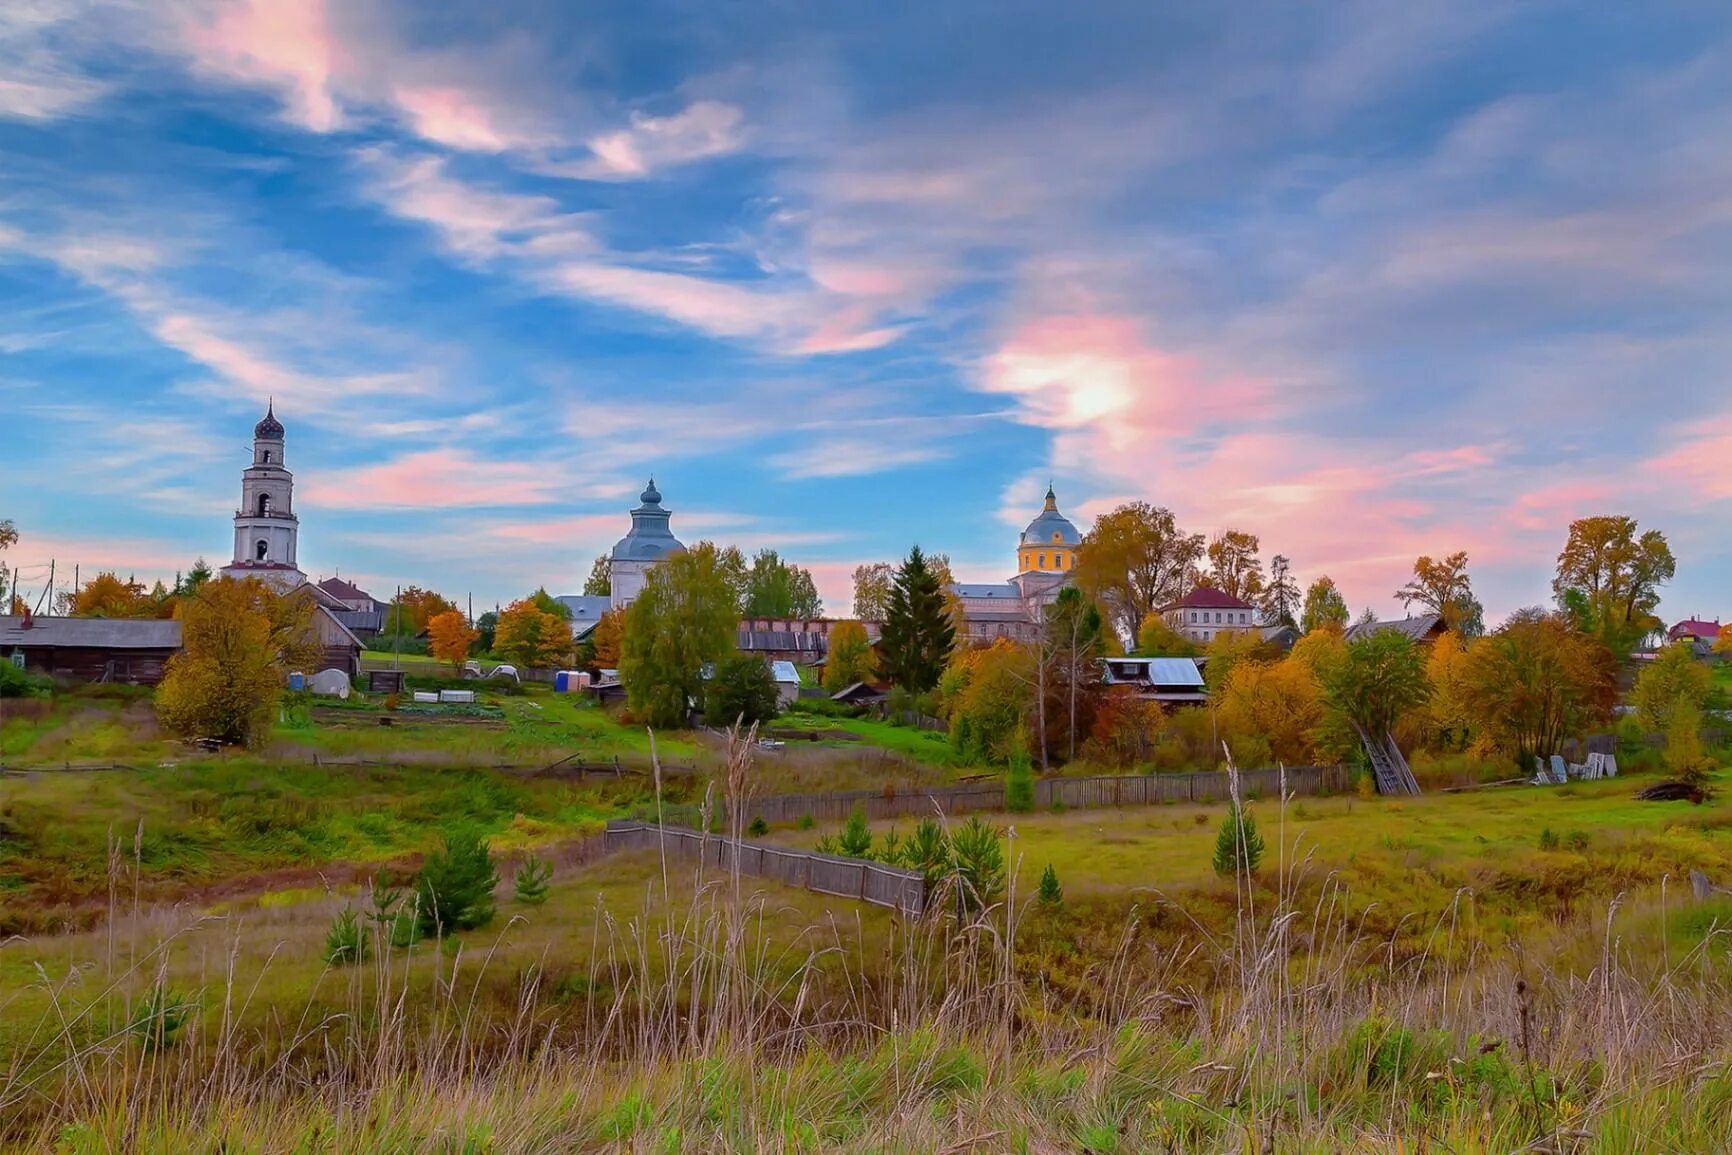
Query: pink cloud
column 471, row 220
column 458, row 118
column 437, row 479
column 1702, row 458
column 288, row 47
column 649, row 144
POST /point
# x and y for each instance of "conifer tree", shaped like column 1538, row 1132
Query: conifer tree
column 1238, row 847
column 918, row 633
column 1051, row 893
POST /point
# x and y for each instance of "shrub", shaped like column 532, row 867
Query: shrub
column 743, row 690
column 806, row 822
column 1051, row 893
column 16, row 683
column 455, row 889
column 530, row 882
column 160, row 1018
column 1577, row 840
column 1238, row 847
column 758, row 828
column 346, row 941
column 979, row 864
column 1549, row 838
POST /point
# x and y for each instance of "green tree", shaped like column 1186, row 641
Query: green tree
column 548, row 604
column 1609, row 578
column 686, row 618
column 487, row 627
column 1075, row 641
column 1234, row 567
column 1280, row 600
column 1672, row 679
column 742, row 690
column 599, row 584
column 775, row 589
column 346, row 941
column 849, row 659
column 1019, row 781
column 978, row 855
column 1443, row 587
column 195, row 578
column 1381, row 680
column 919, row 634
column 455, row 888
column 1136, row 560
column 1325, row 608
column 1238, row 846
column 855, row 840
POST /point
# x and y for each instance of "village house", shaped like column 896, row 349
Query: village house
column 1169, row 681
column 90, row 649
column 1205, row 612
column 1423, row 628
column 1695, row 631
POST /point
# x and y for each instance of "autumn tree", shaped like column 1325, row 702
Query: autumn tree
column 1280, row 601
column 1234, row 567
column 413, row 608
column 599, row 584
column 686, row 618
column 239, row 641
column 451, row 637
column 990, row 712
column 850, row 657
column 1156, row 638
column 1442, row 586
column 1227, row 649
column 1125, row 729
column 919, row 633
column 548, row 604
column 606, row 639
column 1609, row 577
column 775, row 589
column 872, row 584
column 531, row 636
column 1325, row 608
column 1136, row 560
column 1673, row 679
column 1723, row 643
column 1535, row 681
column 106, row 596
column 1449, row 716
column 1271, row 709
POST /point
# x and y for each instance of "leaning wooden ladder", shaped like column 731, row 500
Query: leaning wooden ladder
column 1388, row 767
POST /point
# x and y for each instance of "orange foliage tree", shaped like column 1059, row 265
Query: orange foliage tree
column 106, row 596
column 605, row 639
column 451, row 637
column 239, row 640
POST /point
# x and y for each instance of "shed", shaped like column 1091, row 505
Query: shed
column 90, row 649
column 860, row 694
column 787, row 683
column 1170, row 681
column 1424, row 629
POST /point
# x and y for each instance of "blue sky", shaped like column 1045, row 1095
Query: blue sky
column 1368, row 280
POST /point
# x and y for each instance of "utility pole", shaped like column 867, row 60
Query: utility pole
column 397, row 631
column 47, row 592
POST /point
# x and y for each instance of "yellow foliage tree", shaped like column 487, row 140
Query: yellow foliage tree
column 450, row 637
column 1277, row 703
column 850, row 657
column 1448, row 717
column 106, row 596
column 1723, row 643
column 531, row 636
column 239, row 640
column 606, row 639
column 1156, row 638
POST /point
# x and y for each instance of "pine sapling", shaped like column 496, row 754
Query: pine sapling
column 856, row 839
column 530, row 882
column 346, row 941
column 1051, row 894
column 1238, row 847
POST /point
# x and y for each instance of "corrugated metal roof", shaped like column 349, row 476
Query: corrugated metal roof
column 94, row 633
column 1415, row 628
column 1173, row 672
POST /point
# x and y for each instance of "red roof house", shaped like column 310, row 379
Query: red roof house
column 1694, row 630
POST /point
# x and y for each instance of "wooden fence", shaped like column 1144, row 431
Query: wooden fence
column 1069, row 793
column 873, row 882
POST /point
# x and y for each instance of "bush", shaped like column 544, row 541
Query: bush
column 758, row 828
column 1051, row 893
column 160, row 1018
column 16, row 683
column 1019, row 782
column 1238, row 847
column 530, row 883
column 346, row 941
column 455, row 888
column 1549, row 838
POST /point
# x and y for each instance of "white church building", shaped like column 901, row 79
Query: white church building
column 648, row 543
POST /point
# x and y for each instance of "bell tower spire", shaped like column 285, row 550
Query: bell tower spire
column 267, row 531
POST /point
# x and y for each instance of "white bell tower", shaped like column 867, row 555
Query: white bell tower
column 266, row 528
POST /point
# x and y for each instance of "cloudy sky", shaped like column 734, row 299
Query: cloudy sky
column 1369, row 280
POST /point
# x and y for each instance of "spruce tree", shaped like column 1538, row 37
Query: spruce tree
column 1051, row 893
column 918, row 633
column 1238, row 846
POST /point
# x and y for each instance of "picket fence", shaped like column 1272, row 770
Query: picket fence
column 873, row 882
column 1068, row 793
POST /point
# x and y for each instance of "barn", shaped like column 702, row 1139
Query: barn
column 90, row 649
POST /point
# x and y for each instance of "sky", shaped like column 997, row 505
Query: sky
column 1368, row 280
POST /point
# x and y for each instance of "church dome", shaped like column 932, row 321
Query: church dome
column 1051, row 527
column 270, row 429
column 650, row 538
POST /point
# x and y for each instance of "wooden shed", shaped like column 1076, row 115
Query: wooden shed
column 90, row 649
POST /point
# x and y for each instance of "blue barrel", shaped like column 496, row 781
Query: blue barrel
column 562, row 682
column 297, row 681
